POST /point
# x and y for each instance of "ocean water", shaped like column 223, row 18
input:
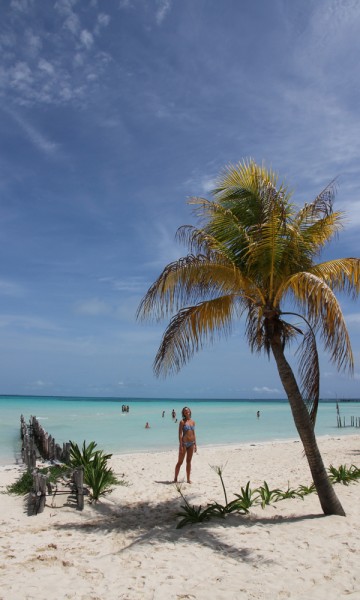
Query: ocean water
column 218, row 422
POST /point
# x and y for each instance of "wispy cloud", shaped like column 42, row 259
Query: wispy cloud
column 94, row 307
column 58, row 69
column 24, row 322
column 10, row 288
column 266, row 390
column 127, row 284
column 36, row 137
column 40, row 384
column 163, row 8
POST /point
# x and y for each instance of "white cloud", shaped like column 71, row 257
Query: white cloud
column 45, row 66
column 103, row 19
column 25, row 322
column 9, row 288
column 40, row 384
column 37, row 138
column 21, row 74
column 164, row 7
column 266, row 390
column 72, row 24
column 20, row 5
column 86, row 39
column 34, row 43
column 93, row 307
column 127, row 284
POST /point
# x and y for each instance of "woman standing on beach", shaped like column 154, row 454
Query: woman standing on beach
column 187, row 442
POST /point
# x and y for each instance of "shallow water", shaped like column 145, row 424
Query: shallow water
column 102, row 420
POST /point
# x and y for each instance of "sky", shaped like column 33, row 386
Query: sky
column 113, row 113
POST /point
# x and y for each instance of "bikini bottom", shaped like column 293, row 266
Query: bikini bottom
column 188, row 444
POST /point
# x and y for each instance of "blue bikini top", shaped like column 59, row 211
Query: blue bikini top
column 188, row 428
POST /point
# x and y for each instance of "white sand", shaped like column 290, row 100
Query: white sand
column 128, row 547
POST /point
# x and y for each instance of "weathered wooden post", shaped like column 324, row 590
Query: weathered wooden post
column 66, row 452
column 78, row 477
column 37, row 498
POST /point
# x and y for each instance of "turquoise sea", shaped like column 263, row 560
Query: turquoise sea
column 102, row 420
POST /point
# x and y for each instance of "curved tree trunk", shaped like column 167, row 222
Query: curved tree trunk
column 328, row 499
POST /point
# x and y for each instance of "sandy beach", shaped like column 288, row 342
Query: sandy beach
column 127, row 546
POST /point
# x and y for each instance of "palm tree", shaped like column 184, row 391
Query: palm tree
column 252, row 253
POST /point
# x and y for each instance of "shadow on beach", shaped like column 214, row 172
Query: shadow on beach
column 144, row 524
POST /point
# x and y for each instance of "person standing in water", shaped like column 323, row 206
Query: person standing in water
column 187, row 443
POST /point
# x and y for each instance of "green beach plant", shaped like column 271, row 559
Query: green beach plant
column 343, row 474
column 288, row 493
column 97, row 475
column 247, row 498
column 266, row 495
column 21, row 486
column 24, row 484
column 191, row 514
column 304, row 490
column 219, row 471
column 82, row 457
column 221, row 510
column 256, row 255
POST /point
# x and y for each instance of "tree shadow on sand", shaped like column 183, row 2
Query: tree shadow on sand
column 150, row 525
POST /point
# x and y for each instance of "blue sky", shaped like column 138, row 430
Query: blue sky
column 112, row 114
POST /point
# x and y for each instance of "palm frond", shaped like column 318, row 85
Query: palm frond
column 186, row 281
column 309, row 372
column 322, row 309
column 251, row 191
column 190, row 328
column 319, row 208
column 228, row 234
column 341, row 274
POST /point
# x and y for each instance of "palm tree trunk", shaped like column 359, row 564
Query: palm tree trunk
column 328, row 499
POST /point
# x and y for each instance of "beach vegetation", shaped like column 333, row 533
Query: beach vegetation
column 262, row 495
column 81, row 457
column 191, row 514
column 290, row 493
column 343, row 474
column 97, row 474
column 255, row 256
column 266, row 496
column 24, row 484
column 100, row 478
column 304, row 490
column 248, row 497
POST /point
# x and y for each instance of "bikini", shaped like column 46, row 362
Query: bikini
column 185, row 429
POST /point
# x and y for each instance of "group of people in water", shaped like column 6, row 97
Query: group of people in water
column 125, row 408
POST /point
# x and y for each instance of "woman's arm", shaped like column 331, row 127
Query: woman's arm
column 181, row 425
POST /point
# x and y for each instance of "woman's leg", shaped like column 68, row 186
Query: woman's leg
column 189, row 455
column 180, row 461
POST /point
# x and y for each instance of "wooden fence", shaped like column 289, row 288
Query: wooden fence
column 34, row 438
column 36, row 442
